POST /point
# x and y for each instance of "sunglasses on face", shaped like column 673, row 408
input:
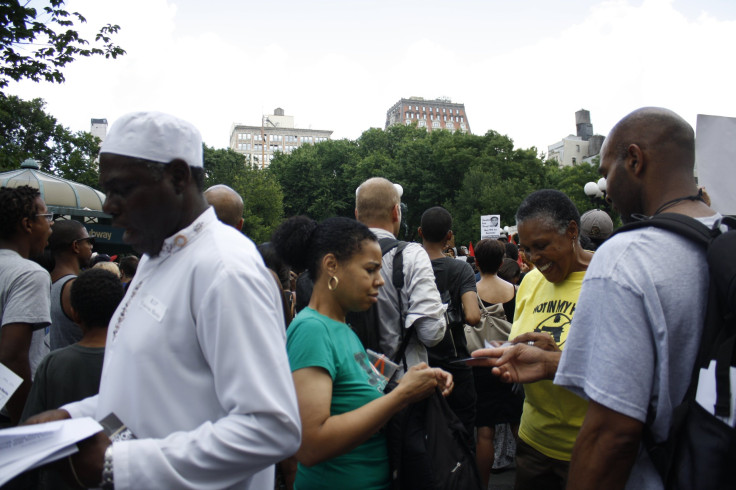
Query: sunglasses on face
column 89, row 239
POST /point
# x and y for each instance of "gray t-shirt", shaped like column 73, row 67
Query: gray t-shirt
column 24, row 298
column 636, row 330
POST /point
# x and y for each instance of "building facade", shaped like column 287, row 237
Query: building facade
column 276, row 133
column 98, row 127
column 440, row 113
column 578, row 148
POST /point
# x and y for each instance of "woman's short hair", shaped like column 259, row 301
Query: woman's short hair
column 489, row 254
column 551, row 206
column 509, row 270
column 302, row 242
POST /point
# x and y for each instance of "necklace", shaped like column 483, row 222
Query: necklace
column 669, row 204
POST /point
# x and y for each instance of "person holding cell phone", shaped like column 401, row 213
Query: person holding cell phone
column 341, row 402
column 548, row 224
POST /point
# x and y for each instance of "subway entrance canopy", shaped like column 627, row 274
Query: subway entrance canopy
column 70, row 200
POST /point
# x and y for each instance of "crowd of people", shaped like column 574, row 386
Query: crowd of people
column 225, row 359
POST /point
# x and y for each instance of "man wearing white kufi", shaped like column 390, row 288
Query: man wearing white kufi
column 196, row 363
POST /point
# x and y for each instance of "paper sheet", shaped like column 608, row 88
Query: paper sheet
column 706, row 395
column 28, row 446
column 715, row 153
column 9, row 382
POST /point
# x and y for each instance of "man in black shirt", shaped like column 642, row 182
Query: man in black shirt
column 456, row 283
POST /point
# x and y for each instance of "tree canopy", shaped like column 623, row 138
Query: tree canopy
column 38, row 45
column 261, row 193
column 27, row 131
column 470, row 175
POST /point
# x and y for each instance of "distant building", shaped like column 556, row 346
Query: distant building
column 440, row 113
column 582, row 147
column 276, row 133
column 98, row 127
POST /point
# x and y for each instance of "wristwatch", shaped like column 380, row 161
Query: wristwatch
column 108, row 482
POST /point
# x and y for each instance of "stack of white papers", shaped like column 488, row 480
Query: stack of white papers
column 29, row 446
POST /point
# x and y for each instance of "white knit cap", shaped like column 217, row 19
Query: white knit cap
column 154, row 136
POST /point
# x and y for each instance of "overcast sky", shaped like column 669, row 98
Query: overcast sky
column 521, row 68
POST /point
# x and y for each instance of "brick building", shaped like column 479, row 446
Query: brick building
column 440, row 113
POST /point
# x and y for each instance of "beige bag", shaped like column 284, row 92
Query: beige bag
column 492, row 326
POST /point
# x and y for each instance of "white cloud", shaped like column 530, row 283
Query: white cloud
column 618, row 57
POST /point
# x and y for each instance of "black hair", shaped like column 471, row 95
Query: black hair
column 65, row 233
column 488, row 255
column 16, row 203
column 549, row 205
column 435, row 223
column 274, row 262
column 512, row 250
column 95, row 295
column 128, row 265
column 509, row 270
column 302, row 242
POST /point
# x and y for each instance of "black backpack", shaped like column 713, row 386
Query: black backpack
column 427, row 446
column 700, row 450
column 365, row 323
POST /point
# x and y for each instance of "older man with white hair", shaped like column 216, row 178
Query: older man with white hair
column 195, row 363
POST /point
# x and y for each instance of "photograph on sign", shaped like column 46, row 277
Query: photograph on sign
column 490, row 226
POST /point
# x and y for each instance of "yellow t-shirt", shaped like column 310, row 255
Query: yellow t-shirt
column 552, row 415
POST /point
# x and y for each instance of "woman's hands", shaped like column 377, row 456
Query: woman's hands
column 421, row 380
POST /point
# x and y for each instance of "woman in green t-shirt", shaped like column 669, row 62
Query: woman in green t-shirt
column 341, row 404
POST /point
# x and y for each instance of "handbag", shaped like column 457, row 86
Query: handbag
column 493, row 326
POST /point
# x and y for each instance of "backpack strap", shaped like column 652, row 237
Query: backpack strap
column 661, row 455
column 685, row 226
column 397, row 279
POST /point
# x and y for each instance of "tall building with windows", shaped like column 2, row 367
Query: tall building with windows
column 276, row 133
column 98, row 127
column 577, row 148
column 440, row 113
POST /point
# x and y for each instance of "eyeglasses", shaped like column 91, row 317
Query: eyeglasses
column 49, row 216
column 90, row 239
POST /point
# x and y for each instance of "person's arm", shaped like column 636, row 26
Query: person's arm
column 522, row 362
column 470, row 308
column 326, row 436
column 66, row 298
column 605, row 449
column 15, row 342
column 243, row 343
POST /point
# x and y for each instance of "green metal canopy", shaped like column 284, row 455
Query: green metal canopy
column 62, row 196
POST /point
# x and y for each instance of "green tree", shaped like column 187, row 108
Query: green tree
column 571, row 180
column 27, row 131
column 496, row 183
column 261, row 193
column 38, row 45
column 318, row 180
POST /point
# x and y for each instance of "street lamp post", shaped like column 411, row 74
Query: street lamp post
column 596, row 192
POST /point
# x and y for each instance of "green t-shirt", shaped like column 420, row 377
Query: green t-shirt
column 313, row 340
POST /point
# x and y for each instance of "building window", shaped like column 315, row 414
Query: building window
column 422, row 124
column 574, row 160
column 436, row 124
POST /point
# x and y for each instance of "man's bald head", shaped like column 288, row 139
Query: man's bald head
column 647, row 159
column 666, row 137
column 227, row 203
column 375, row 202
